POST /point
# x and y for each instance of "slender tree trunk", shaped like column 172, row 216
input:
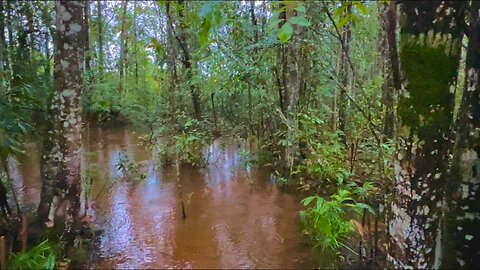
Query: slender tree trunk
column 2, row 38
column 88, row 55
column 390, row 67
column 430, row 37
column 345, row 76
column 135, row 49
column 60, row 168
column 254, row 21
column 123, row 51
column 172, row 66
column 10, row 36
column 462, row 236
column 187, row 61
column 101, row 57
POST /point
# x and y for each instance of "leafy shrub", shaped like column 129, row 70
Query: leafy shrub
column 129, row 168
column 190, row 142
column 330, row 223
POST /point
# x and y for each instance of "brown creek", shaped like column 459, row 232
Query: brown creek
column 236, row 218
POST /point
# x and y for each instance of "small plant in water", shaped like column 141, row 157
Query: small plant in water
column 129, row 167
column 327, row 223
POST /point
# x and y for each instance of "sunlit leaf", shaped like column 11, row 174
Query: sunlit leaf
column 299, row 20
column 285, row 33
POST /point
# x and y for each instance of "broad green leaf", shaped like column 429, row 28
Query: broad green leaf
column 285, row 33
column 299, row 20
column 301, row 9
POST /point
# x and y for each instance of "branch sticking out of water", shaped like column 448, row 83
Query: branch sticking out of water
column 177, row 165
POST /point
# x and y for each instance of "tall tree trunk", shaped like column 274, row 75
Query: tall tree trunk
column 187, row 60
column 2, row 38
column 123, row 51
column 171, row 63
column 462, row 236
column 101, row 56
column 135, row 41
column 88, row 55
column 390, row 69
column 345, row 77
column 254, row 21
column 430, row 37
column 11, row 43
column 292, row 86
column 60, row 168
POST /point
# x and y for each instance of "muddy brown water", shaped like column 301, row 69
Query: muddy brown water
column 236, row 218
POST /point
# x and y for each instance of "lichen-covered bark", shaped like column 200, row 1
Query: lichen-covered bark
column 429, row 56
column 462, row 235
column 61, row 154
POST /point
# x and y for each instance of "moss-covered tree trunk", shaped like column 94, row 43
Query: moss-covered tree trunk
column 60, row 165
column 429, row 55
column 462, row 235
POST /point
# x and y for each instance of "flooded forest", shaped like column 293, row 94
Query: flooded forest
column 239, row 134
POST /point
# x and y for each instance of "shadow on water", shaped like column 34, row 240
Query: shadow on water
column 235, row 218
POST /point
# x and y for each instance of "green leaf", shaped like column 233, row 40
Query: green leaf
column 343, row 21
column 204, row 32
column 272, row 24
column 300, row 20
column 285, row 33
column 308, row 200
column 365, row 206
column 205, row 10
column 360, row 6
column 50, row 263
column 301, row 9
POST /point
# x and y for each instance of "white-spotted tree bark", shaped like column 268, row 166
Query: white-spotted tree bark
column 462, row 236
column 60, row 165
column 430, row 45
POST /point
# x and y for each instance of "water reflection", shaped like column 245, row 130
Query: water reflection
column 233, row 221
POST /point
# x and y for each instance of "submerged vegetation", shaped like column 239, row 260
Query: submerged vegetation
column 368, row 109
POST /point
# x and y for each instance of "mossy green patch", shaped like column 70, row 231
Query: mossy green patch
column 427, row 105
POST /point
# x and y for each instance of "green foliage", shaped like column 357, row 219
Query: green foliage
column 15, row 104
column 330, row 223
column 190, row 142
column 129, row 168
column 247, row 158
column 325, row 158
column 41, row 256
column 285, row 32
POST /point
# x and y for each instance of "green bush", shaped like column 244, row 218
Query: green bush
column 330, row 223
